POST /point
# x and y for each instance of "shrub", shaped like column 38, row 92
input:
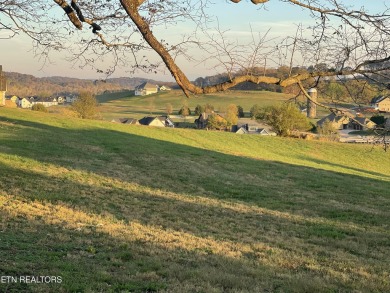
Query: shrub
column 86, row 106
column 254, row 111
column 208, row 108
column 283, row 118
column 328, row 131
column 231, row 115
column 199, row 109
column 216, row 122
column 184, row 111
column 39, row 107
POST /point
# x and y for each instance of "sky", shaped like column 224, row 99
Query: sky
column 281, row 18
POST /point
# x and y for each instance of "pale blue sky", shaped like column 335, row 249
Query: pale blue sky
column 238, row 18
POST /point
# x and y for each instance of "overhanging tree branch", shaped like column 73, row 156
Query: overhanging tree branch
column 144, row 14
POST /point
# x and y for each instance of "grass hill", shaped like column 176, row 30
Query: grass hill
column 119, row 208
column 125, row 104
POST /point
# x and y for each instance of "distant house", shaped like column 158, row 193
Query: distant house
column 381, row 103
column 164, row 88
column 24, row 103
column 70, row 98
column 132, row 121
column 158, row 121
column 347, row 121
column 249, row 126
column 29, row 102
column 61, row 99
column 47, row 102
column 362, row 123
column 203, row 119
column 65, row 97
column 13, row 99
column 338, row 120
column 145, row 88
column 251, row 129
column 168, row 122
column 126, row 121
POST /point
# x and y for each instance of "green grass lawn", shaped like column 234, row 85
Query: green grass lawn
column 116, row 105
column 120, row 208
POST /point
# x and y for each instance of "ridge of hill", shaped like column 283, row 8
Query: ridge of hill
column 114, row 208
column 27, row 85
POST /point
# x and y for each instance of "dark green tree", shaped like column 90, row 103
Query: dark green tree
column 378, row 119
column 240, row 112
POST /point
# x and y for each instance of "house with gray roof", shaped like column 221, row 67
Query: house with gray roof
column 251, row 129
column 347, row 120
column 381, row 103
column 338, row 120
column 158, row 121
column 146, row 88
column 132, row 121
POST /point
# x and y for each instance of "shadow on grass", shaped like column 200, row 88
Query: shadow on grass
column 91, row 261
column 104, row 98
column 175, row 167
column 133, row 113
column 161, row 176
column 86, row 234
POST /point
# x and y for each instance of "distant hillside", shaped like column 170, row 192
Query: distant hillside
column 28, row 85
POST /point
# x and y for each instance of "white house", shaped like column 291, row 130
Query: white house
column 252, row 129
column 28, row 103
column 61, row 99
column 146, row 88
column 164, row 88
column 45, row 102
column 24, row 103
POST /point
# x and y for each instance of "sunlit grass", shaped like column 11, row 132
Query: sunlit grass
column 114, row 105
column 125, row 208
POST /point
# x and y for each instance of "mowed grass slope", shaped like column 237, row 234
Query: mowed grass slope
column 118, row 208
column 125, row 104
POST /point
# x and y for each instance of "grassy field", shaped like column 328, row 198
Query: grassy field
column 116, row 105
column 119, row 208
